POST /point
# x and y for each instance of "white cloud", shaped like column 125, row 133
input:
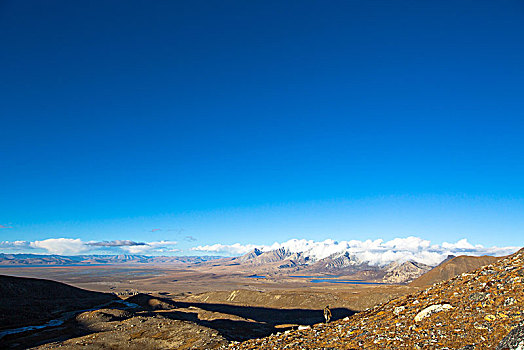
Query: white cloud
column 376, row 252
column 463, row 244
column 116, row 243
column 161, row 243
column 150, row 247
column 15, row 244
column 233, row 249
column 61, row 245
column 137, row 249
column 70, row 246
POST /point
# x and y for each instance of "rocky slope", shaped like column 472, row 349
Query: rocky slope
column 256, row 257
column 250, row 256
column 471, row 311
column 115, row 330
column 404, row 272
column 339, row 262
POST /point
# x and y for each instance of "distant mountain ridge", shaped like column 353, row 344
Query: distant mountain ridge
column 283, row 260
column 36, row 259
column 404, row 272
column 396, row 272
column 280, row 261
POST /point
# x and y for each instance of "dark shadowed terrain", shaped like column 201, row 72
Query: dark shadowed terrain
column 204, row 306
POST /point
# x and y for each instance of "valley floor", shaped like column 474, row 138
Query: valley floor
column 187, row 308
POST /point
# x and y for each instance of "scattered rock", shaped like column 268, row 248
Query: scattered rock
column 478, row 296
column 431, row 310
column 146, row 333
column 509, row 301
column 514, row 340
column 487, row 303
column 399, row 309
column 468, row 347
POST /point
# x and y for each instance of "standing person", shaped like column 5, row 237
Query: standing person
column 327, row 314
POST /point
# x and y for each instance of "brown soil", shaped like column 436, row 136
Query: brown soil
column 209, row 309
column 453, row 267
column 144, row 332
column 471, row 311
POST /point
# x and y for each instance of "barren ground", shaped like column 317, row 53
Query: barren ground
column 214, row 304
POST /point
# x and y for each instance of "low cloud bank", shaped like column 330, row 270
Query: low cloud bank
column 117, row 243
column 64, row 246
column 374, row 252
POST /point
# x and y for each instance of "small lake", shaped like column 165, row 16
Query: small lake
column 327, row 280
column 316, row 276
column 323, row 279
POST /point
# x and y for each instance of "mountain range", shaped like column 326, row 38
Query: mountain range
column 343, row 263
column 279, row 261
column 34, row 259
column 283, row 261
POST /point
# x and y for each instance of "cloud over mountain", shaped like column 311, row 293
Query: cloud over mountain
column 151, row 248
column 375, row 252
column 61, row 245
column 64, row 246
column 116, row 243
column 232, row 249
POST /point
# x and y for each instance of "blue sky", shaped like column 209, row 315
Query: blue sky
column 262, row 121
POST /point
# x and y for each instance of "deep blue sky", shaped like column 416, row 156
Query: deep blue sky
column 256, row 121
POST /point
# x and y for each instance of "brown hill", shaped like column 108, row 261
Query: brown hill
column 31, row 301
column 453, row 267
column 472, row 311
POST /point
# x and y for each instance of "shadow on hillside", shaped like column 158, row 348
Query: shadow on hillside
column 263, row 321
column 69, row 329
column 270, row 315
column 236, row 330
column 255, row 322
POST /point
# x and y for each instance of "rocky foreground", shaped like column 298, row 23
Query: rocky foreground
column 115, row 329
column 478, row 310
column 482, row 309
